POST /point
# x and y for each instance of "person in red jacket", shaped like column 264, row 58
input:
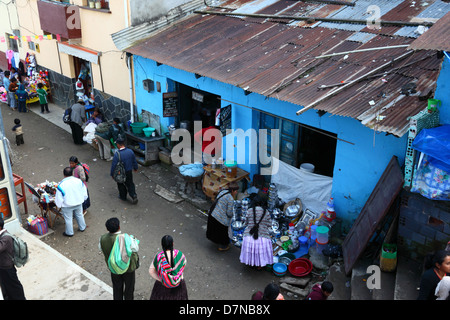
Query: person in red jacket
column 320, row 291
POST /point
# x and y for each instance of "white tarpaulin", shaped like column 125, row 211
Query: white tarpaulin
column 314, row 190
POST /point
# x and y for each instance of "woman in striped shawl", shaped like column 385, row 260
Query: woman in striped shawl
column 167, row 269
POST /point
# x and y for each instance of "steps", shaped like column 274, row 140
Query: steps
column 401, row 284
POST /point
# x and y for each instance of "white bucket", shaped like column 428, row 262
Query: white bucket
column 309, row 167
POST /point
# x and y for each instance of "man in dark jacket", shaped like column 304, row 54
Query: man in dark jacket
column 320, row 291
column 129, row 160
column 123, row 284
column 11, row 287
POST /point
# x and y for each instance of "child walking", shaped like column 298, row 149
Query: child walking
column 19, row 133
column 42, row 94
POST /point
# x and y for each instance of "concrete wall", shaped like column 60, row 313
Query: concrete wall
column 111, row 74
column 147, row 10
column 358, row 166
column 424, row 225
column 443, row 90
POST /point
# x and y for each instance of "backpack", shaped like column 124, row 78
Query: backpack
column 86, row 170
column 119, row 171
column 67, row 117
column 20, row 251
column 120, row 256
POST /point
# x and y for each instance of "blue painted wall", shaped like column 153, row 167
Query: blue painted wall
column 443, row 91
column 358, row 166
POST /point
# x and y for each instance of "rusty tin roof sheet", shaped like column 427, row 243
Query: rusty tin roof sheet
column 279, row 60
column 435, row 38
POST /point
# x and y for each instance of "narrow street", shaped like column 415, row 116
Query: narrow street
column 210, row 274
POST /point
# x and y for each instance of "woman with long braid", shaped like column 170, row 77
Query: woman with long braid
column 167, row 269
column 256, row 249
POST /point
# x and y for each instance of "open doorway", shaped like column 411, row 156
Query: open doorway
column 83, row 74
column 196, row 105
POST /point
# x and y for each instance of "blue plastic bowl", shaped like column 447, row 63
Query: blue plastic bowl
column 279, row 269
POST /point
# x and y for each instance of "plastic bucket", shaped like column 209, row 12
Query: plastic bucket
column 309, row 167
column 388, row 259
column 320, row 246
column 148, row 131
column 322, row 234
column 136, row 127
column 434, row 103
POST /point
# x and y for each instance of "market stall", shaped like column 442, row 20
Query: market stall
column 31, row 85
column 44, row 196
column 302, row 214
column 219, row 176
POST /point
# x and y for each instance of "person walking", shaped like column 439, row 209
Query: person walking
column 79, row 172
column 12, row 288
column 70, row 195
column 167, row 269
column 129, row 160
column 78, row 117
column 256, row 247
column 123, row 284
column 220, row 215
column 42, row 94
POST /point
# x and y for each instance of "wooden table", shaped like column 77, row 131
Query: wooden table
column 215, row 180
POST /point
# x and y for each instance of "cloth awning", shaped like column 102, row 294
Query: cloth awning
column 80, row 52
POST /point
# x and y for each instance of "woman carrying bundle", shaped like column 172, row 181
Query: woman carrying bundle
column 167, row 269
column 256, row 247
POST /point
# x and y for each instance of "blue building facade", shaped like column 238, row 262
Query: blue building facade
column 353, row 154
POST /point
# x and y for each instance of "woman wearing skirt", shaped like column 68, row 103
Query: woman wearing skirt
column 220, row 216
column 167, row 269
column 256, row 249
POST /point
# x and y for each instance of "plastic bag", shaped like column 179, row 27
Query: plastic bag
column 435, row 143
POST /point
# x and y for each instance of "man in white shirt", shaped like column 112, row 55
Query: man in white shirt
column 70, row 195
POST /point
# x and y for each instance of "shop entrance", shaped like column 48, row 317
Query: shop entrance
column 196, row 105
column 83, row 74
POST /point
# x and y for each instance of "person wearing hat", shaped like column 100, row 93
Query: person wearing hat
column 129, row 161
column 78, row 117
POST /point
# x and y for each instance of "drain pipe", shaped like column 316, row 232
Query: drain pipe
column 128, row 61
column 130, row 77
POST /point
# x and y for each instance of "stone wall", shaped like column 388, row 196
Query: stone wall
column 112, row 107
column 62, row 88
column 64, row 95
column 424, row 225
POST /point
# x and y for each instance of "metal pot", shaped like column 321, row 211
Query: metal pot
column 292, row 211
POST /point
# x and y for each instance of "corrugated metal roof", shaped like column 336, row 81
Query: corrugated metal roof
column 436, row 38
column 279, row 59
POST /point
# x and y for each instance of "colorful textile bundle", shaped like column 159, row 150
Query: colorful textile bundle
column 170, row 276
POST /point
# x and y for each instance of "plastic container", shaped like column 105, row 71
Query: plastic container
column 279, row 269
column 313, row 231
column 303, row 242
column 309, row 167
column 388, row 259
column 148, row 131
column 231, row 168
column 300, row 267
column 136, row 127
column 322, row 234
column 320, row 246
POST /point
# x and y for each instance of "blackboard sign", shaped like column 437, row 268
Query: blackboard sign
column 225, row 119
column 170, row 104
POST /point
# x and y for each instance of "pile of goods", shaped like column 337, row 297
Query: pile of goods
column 293, row 229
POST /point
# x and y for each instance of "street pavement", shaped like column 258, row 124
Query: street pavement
column 62, row 268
